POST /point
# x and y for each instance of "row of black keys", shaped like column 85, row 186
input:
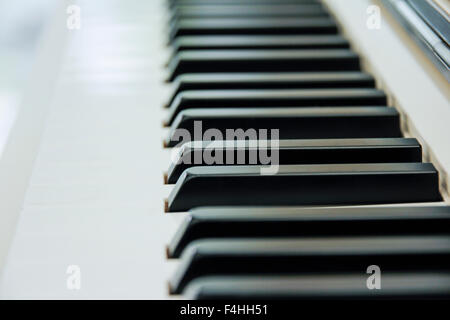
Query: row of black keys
column 260, row 64
column 282, row 253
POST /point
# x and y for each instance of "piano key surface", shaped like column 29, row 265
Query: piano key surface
column 254, row 26
column 173, row 3
column 294, row 123
column 95, row 197
column 291, row 256
column 262, row 42
column 272, row 98
column 337, row 184
column 315, row 151
column 242, row 10
column 213, row 61
column 287, row 80
column 279, row 222
column 339, row 286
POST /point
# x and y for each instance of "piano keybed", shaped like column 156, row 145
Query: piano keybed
column 351, row 190
column 95, row 178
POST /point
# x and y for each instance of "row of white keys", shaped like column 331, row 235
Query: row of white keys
column 95, row 200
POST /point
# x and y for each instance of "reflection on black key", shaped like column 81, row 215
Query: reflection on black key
column 259, row 42
column 314, row 151
column 405, row 285
column 303, row 256
column 175, row 3
column 211, row 61
column 340, row 184
column 288, row 80
column 275, row 98
column 278, row 222
column 249, row 11
column 293, row 123
column 247, row 26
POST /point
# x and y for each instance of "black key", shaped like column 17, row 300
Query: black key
column 253, row 26
column 259, row 42
column 315, row 151
column 293, row 123
column 212, row 61
column 300, row 80
column 275, row 97
column 278, row 222
column 340, row 184
column 337, row 286
column 237, row 2
column 249, row 11
column 305, row 256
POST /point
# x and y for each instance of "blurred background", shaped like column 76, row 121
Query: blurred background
column 21, row 27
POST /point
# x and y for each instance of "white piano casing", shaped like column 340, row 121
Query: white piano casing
column 95, row 195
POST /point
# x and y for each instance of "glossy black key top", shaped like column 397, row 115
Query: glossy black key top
column 273, row 98
column 315, row 151
column 340, row 184
column 175, row 3
column 213, row 61
column 259, row 42
column 305, row 256
column 293, row 123
column 253, row 26
column 278, row 222
column 288, row 80
column 249, row 11
column 405, row 285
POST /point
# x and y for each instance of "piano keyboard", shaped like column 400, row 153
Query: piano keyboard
column 284, row 65
column 352, row 189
